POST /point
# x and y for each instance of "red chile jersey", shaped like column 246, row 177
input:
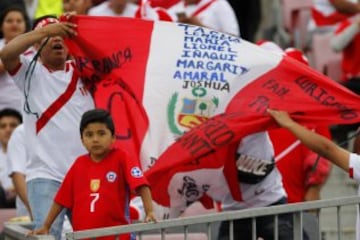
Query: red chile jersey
column 98, row 193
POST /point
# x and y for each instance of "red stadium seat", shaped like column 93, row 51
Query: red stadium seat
column 325, row 60
column 295, row 15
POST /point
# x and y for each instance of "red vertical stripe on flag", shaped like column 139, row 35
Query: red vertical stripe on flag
column 115, row 71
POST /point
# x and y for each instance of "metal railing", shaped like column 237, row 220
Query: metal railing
column 163, row 228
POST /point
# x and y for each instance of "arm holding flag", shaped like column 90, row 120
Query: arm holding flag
column 11, row 52
column 350, row 162
column 312, row 140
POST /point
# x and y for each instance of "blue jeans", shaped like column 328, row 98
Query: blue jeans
column 41, row 193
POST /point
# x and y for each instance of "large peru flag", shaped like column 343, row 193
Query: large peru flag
column 183, row 96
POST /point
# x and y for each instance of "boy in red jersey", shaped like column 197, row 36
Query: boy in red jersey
column 97, row 187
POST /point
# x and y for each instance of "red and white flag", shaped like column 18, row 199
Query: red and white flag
column 183, row 96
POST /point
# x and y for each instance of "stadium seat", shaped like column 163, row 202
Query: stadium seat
column 6, row 215
column 333, row 69
column 300, row 31
column 324, row 59
column 295, row 15
column 290, row 10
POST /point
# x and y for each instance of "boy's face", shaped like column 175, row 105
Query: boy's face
column 7, row 126
column 97, row 139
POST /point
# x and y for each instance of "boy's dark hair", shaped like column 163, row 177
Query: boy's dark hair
column 97, row 116
column 9, row 112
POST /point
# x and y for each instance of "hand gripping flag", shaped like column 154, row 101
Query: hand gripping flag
column 183, row 96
